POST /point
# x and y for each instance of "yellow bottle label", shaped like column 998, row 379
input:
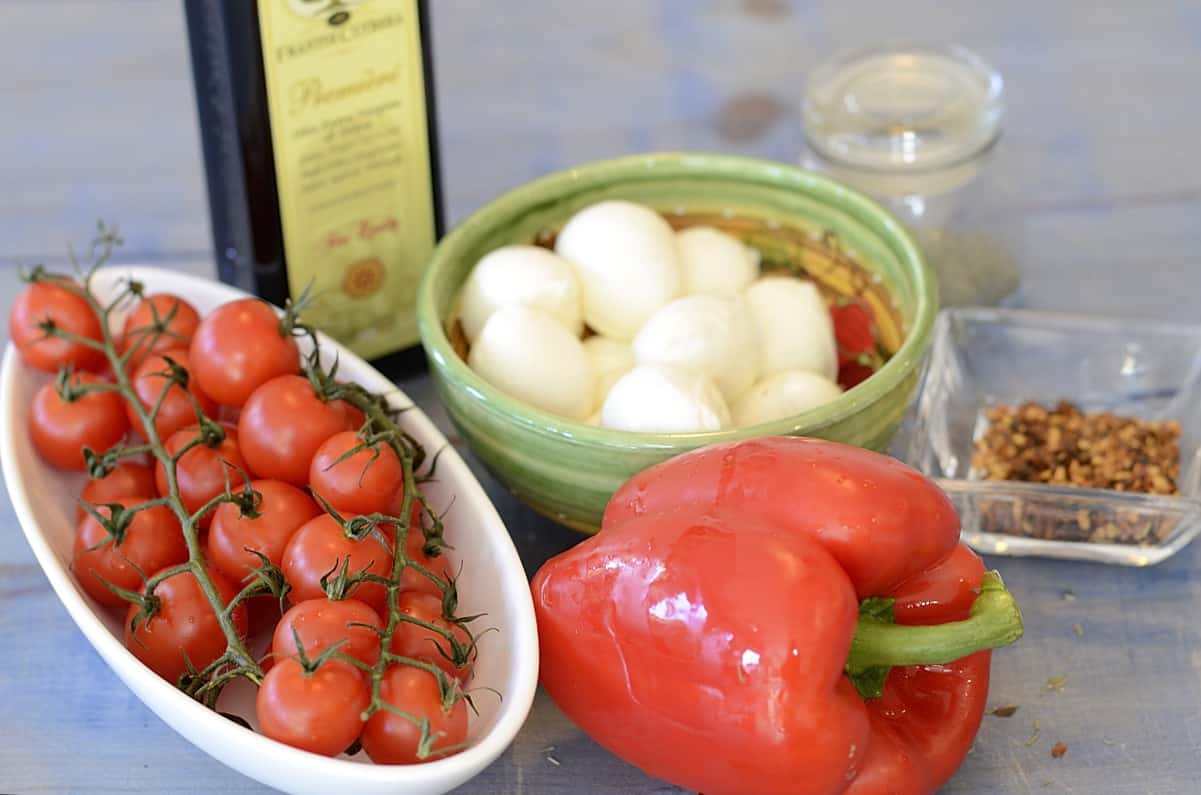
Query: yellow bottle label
column 346, row 94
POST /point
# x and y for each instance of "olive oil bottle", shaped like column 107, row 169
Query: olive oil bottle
column 318, row 127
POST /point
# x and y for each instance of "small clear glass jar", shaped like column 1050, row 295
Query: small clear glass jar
column 913, row 127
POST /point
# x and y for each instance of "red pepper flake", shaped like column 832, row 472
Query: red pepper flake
column 1059, row 749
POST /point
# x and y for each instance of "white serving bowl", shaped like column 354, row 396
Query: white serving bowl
column 493, row 582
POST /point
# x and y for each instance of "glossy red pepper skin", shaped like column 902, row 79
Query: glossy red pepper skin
column 882, row 521
column 702, row 634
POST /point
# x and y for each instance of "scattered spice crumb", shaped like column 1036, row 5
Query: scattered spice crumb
column 1005, row 711
column 546, row 750
column 1108, row 741
column 1059, row 749
column 1056, row 682
column 1068, row 595
column 1034, row 737
column 1078, row 629
column 554, row 761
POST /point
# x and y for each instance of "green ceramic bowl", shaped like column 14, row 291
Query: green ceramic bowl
column 568, row 470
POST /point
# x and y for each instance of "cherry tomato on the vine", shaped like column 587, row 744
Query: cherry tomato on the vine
column 150, row 378
column 152, row 541
column 48, row 300
column 60, row 430
column 283, row 508
column 412, row 579
column 321, row 623
column 202, row 472
column 239, row 347
column 184, row 628
column 319, row 711
column 390, row 739
column 320, row 547
column 422, row 643
column 140, row 332
column 128, row 479
column 282, row 425
column 369, row 480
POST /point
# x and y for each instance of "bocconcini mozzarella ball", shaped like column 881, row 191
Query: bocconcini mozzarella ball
column 611, row 359
column 525, row 275
column 526, row 353
column 795, row 329
column 714, row 336
column 655, row 398
column 784, row 394
column 625, row 257
column 714, row 263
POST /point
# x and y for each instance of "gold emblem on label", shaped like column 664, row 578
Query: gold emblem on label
column 333, row 12
column 363, row 278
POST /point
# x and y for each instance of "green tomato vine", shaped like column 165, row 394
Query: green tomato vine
column 381, row 426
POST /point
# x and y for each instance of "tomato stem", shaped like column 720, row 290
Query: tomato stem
column 237, row 653
column 994, row 621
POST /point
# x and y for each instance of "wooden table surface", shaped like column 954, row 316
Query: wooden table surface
column 1095, row 186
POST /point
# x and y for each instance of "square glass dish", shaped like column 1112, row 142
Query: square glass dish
column 981, row 358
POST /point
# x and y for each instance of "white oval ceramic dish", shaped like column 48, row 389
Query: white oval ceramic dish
column 493, row 582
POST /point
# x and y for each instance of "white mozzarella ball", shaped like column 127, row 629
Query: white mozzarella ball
column 784, row 394
column 626, row 259
column 654, row 398
column 714, row 263
column 714, row 336
column 611, row 359
column 794, row 324
column 526, row 275
column 526, row 353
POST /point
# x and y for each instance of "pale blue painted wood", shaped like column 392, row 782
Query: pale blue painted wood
column 1095, row 186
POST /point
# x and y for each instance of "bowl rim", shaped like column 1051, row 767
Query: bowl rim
column 719, row 167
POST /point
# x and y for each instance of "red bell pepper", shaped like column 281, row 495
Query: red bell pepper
column 776, row 616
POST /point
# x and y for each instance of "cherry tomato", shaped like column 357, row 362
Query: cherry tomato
column 60, row 430
column 854, row 330
column 128, row 479
column 202, row 472
column 152, row 541
column 282, row 510
column 149, row 380
column 412, row 640
column 390, row 739
column 239, row 347
column 411, row 579
column 321, row 546
column 177, row 333
column 185, row 628
column 366, row 481
column 319, row 711
column 853, row 373
column 46, row 300
column 321, row 623
column 283, row 424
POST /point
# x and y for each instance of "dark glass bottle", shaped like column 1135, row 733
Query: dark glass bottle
column 319, row 134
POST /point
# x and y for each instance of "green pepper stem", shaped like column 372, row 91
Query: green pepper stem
column 994, row 621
